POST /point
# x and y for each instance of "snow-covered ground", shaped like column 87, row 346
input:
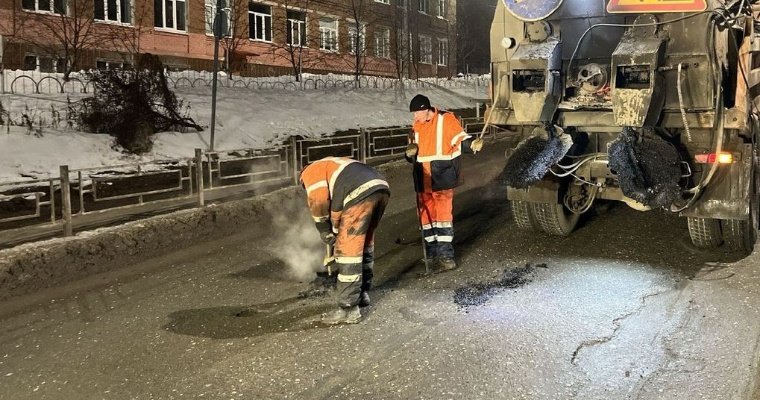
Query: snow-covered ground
column 246, row 118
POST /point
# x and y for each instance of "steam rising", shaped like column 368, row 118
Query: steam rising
column 297, row 241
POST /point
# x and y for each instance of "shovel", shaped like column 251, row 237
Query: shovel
column 325, row 280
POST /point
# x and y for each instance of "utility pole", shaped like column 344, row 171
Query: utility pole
column 218, row 34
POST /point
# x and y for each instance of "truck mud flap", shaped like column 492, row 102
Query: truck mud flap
column 727, row 196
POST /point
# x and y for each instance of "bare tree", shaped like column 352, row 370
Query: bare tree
column 237, row 34
column 7, row 31
column 451, row 41
column 125, row 37
column 466, row 46
column 234, row 27
column 65, row 34
column 400, row 51
column 361, row 15
column 473, row 29
column 296, row 37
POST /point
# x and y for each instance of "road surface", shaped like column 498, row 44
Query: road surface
column 625, row 308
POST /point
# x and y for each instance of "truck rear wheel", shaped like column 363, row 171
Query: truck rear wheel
column 741, row 235
column 705, row 233
column 738, row 235
column 554, row 219
column 523, row 214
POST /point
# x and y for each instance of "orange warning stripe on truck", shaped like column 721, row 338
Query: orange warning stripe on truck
column 655, row 6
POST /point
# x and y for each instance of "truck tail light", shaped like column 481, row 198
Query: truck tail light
column 714, row 158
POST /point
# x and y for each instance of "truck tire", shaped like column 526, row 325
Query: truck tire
column 741, row 235
column 554, row 219
column 523, row 214
column 705, row 232
column 738, row 235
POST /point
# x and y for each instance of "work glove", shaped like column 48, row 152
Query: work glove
column 327, row 238
column 477, row 145
column 411, row 151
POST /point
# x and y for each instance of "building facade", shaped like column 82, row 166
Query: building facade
column 411, row 38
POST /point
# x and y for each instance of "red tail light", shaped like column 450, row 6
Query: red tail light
column 714, row 158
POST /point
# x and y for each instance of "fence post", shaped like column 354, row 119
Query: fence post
column 66, row 201
column 363, row 145
column 294, row 160
column 199, row 176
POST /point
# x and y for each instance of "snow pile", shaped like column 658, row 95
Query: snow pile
column 245, row 119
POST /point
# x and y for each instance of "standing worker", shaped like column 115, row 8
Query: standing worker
column 434, row 151
column 347, row 199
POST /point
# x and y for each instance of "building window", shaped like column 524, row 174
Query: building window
column 296, row 28
column 114, row 11
column 112, row 65
column 442, row 8
column 54, row 6
column 328, row 34
column 423, row 6
column 30, row 63
column 426, row 49
column 260, row 22
column 356, row 40
column 226, row 18
column 382, row 42
column 43, row 64
column 443, row 52
column 169, row 14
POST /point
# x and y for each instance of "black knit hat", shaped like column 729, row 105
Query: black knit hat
column 419, row 103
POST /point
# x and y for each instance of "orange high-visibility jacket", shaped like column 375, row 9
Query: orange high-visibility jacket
column 439, row 144
column 334, row 184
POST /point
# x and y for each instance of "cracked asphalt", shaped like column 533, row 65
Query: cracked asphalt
column 625, row 308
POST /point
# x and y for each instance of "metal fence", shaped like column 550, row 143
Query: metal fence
column 90, row 197
column 31, row 82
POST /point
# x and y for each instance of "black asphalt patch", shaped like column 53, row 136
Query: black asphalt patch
column 478, row 293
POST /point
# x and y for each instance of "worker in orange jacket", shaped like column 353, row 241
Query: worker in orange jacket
column 347, row 199
column 434, row 149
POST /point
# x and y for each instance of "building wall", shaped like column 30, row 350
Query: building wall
column 28, row 33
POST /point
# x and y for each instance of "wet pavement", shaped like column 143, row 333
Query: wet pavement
column 625, row 308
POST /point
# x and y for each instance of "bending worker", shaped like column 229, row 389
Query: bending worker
column 347, row 199
column 434, row 151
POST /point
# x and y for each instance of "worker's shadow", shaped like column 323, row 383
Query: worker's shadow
column 229, row 322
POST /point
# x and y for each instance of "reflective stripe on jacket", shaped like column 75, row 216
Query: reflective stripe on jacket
column 334, row 184
column 439, row 147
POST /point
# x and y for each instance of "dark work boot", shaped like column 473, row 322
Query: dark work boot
column 364, row 300
column 350, row 315
column 444, row 264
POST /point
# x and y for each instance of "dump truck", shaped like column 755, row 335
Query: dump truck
column 652, row 103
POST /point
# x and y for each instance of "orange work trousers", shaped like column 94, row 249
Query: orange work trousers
column 437, row 222
column 354, row 247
